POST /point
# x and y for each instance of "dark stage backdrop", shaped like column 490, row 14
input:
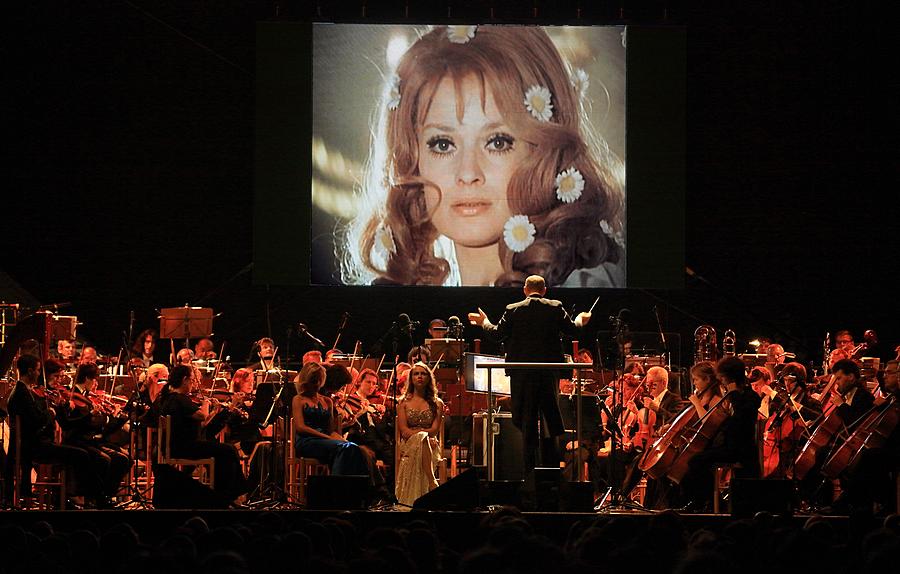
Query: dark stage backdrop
column 129, row 178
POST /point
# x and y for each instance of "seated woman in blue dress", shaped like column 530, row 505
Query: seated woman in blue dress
column 316, row 427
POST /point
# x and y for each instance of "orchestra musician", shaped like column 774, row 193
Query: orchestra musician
column 188, row 419
column 661, row 400
column 849, row 395
column 736, row 442
column 313, row 356
column 143, row 352
column 32, row 404
column 86, row 424
column 790, row 410
column 531, row 329
column 184, row 356
column 204, row 349
column 873, row 479
column 437, row 329
column 88, row 355
column 420, row 354
column 243, row 432
column 665, row 406
column 368, row 426
column 65, row 351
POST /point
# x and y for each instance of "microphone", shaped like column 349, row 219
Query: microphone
column 302, row 329
column 454, row 327
column 405, row 323
column 618, row 318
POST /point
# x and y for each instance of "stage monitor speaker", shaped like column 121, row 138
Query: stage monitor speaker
column 458, row 493
column 327, row 492
column 751, row 495
column 173, row 488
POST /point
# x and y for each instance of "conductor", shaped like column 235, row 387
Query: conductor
column 531, row 329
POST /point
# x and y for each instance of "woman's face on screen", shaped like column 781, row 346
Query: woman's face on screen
column 471, row 160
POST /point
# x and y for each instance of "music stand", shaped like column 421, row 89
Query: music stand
column 185, row 323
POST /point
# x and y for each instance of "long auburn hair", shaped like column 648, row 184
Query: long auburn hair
column 507, row 61
column 431, row 390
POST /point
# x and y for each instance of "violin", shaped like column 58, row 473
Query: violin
column 640, row 423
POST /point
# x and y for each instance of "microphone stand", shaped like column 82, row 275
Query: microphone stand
column 614, row 495
column 273, row 494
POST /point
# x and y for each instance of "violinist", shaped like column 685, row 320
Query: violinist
column 369, row 429
column 188, row 418
column 33, row 405
column 84, row 425
column 736, row 440
column 241, row 431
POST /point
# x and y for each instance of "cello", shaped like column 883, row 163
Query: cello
column 830, row 423
column 700, row 435
column 658, row 459
column 872, row 432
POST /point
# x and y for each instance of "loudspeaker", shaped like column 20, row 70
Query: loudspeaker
column 173, row 488
column 458, row 493
column 326, row 492
column 751, row 495
column 576, row 496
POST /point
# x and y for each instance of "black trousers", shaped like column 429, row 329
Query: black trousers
column 535, row 412
column 697, row 484
column 88, row 481
column 110, row 463
column 230, row 481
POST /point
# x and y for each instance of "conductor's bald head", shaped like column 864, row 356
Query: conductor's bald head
column 534, row 284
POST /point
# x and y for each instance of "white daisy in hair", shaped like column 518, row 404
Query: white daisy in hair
column 616, row 236
column 394, row 93
column 580, row 81
column 569, row 185
column 538, row 101
column 518, row 233
column 460, row 34
column 384, row 245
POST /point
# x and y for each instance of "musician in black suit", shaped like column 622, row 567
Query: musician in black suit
column 86, row 425
column 37, row 427
column 852, row 398
column 531, row 330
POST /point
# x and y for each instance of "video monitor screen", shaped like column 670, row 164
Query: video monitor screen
column 469, row 156
column 477, row 379
column 465, row 155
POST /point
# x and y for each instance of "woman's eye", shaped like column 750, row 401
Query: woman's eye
column 500, row 143
column 440, row 145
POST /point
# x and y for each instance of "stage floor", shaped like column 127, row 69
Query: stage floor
column 456, row 529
